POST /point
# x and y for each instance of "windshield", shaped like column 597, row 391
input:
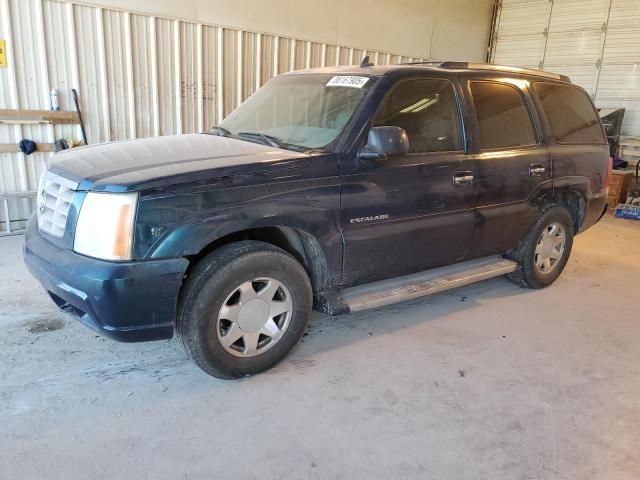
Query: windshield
column 308, row 110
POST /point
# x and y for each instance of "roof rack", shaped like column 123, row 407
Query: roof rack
column 424, row 62
column 495, row 68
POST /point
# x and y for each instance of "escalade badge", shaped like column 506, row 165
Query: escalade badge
column 382, row 216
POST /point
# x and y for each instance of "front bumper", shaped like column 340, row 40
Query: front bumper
column 125, row 301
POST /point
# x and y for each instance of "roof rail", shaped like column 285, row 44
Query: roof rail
column 424, row 62
column 495, row 68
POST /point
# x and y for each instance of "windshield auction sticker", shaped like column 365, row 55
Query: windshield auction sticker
column 347, row 81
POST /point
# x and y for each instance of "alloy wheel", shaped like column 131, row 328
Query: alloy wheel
column 550, row 248
column 254, row 317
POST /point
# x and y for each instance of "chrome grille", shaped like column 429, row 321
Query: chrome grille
column 55, row 195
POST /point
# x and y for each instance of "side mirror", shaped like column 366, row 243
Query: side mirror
column 385, row 141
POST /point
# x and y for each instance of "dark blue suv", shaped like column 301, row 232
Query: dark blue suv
column 335, row 189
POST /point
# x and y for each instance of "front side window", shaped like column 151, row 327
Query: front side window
column 503, row 118
column 570, row 112
column 307, row 111
column 427, row 110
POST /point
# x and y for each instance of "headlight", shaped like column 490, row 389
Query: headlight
column 105, row 225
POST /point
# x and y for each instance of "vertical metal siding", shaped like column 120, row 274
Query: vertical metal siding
column 136, row 75
column 22, row 28
column 619, row 81
column 595, row 42
column 143, row 77
column 576, row 36
column 167, row 79
column 117, row 69
column 521, row 32
column 188, row 77
column 210, row 76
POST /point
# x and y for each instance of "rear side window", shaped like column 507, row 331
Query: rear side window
column 503, row 118
column 427, row 110
column 570, row 112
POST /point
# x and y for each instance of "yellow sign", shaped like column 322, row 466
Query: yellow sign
column 3, row 53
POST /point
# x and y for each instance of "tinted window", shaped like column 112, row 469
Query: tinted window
column 427, row 111
column 503, row 118
column 570, row 112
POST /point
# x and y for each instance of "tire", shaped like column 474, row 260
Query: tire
column 531, row 262
column 247, row 270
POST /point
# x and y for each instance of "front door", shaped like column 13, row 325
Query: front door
column 403, row 214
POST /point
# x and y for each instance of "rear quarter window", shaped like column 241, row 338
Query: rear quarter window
column 571, row 115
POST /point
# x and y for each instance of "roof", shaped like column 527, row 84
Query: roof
column 436, row 66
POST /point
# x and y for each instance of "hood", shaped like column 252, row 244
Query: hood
column 153, row 162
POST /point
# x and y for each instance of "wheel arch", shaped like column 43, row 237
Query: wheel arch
column 575, row 204
column 570, row 193
column 304, row 247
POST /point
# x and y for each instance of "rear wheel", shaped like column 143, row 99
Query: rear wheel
column 544, row 252
column 243, row 309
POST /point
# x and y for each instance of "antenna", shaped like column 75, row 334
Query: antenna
column 365, row 62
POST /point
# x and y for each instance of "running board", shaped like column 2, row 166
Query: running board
column 416, row 285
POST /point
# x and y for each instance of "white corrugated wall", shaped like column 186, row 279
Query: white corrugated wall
column 595, row 42
column 136, row 75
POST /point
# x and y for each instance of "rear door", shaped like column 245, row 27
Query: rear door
column 513, row 164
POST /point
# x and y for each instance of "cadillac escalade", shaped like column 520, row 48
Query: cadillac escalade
column 335, row 189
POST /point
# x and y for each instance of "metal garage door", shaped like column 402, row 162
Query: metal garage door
column 595, row 42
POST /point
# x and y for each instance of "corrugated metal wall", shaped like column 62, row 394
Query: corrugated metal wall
column 137, row 76
column 595, row 42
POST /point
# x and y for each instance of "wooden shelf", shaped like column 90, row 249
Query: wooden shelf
column 14, row 148
column 37, row 117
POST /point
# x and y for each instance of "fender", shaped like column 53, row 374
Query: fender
column 592, row 198
column 580, row 186
column 186, row 220
column 576, row 184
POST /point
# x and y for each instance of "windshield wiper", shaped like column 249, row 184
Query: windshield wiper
column 267, row 139
column 218, row 130
column 252, row 136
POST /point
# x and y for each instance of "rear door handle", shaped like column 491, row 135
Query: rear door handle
column 463, row 178
column 536, row 170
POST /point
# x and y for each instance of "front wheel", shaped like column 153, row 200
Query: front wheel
column 244, row 307
column 544, row 252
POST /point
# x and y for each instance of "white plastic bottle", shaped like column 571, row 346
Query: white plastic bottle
column 55, row 105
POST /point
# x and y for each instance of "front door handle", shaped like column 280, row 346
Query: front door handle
column 463, row 178
column 537, row 170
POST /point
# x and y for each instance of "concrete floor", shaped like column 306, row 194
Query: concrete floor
column 485, row 382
